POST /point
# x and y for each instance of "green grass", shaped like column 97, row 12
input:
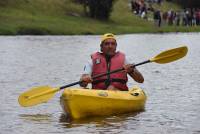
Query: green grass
column 63, row 17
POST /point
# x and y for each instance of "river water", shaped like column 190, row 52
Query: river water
column 173, row 104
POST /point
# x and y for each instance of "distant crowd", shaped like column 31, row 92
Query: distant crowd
column 184, row 17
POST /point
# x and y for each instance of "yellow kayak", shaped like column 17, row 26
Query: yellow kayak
column 79, row 103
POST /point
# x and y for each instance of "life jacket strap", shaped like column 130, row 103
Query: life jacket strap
column 109, row 80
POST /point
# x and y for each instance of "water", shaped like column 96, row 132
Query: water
column 173, row 104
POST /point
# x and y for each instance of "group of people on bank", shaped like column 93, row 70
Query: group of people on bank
column 184, row 17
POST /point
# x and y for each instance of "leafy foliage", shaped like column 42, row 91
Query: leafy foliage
column 98, row 9
column 188, row 3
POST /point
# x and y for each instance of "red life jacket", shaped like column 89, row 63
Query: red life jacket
column 118, row 80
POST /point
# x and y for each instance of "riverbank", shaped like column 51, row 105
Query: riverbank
column 40, row 17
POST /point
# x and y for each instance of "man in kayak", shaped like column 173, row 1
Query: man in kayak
column 108, row 60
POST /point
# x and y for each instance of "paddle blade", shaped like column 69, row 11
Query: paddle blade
column 170, row 55
column 36, row 96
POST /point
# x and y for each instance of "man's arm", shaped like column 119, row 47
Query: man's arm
column 133, row 72
column 136, row 75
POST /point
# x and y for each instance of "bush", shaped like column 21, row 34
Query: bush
column 32, row 31
column 189, row 3
column 100, row 9
column 4, row 2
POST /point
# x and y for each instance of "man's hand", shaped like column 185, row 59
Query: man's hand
column 85, row 79
column 134, row 73
column 129, row 68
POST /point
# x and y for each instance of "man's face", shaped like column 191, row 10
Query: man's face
column 109, row 46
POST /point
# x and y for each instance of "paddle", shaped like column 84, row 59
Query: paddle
column 42, row 94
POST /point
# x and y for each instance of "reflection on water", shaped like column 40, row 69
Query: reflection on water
column 36, row 117
column 105, row 121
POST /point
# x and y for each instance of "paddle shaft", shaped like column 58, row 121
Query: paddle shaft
column 104, row 74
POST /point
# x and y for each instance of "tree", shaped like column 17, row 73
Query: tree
column 189, row 3
column 100, row 9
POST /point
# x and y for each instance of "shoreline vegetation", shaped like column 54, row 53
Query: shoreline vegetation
column 64, row 17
